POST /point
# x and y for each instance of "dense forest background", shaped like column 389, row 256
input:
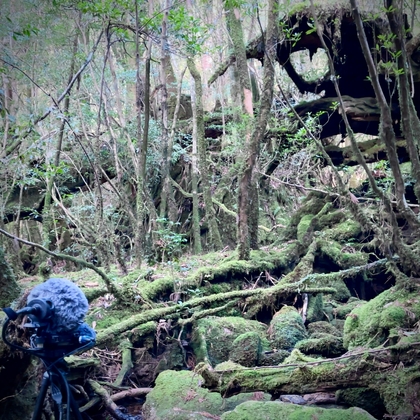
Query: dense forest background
column 236, row 157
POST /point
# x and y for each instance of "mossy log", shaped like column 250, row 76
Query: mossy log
column 227, row 268
column 186, row 309
column 394, row 375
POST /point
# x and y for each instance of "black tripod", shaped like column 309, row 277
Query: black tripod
column 52, row 356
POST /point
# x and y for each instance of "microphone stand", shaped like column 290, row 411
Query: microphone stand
column 55, row 375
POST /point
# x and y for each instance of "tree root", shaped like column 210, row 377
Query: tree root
column 127, row 362
column 107, row 401
column 130, row 393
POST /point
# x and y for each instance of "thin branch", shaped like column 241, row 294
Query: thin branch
column 110, row 286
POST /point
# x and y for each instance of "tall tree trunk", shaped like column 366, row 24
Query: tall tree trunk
column 410, row 119
column 215, row 239
column 409, row 259
column 47, row 216
column 167, row 205
column 142, row 105
column 196, row 231
column 387, row 132
column 248, row 194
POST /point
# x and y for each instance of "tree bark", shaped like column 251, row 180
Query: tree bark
column 196, row 231
column 215, row 240
column 166, row 200
column 410, row 119
column 246, row 188
column 47, row 216
column 387, row 132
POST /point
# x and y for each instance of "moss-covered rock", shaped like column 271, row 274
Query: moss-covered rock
column 365, row 398
column 342, row 293
column 324, row 344
column 323, row 327
column 315, row 310
column 273, row 410
column 370, row 324
column 213, row 336
column 246, row 349
column 286, row 328
column 179, row 396
column 273, row 358
column 342, row 310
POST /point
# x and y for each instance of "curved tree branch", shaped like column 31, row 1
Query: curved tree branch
column 109, row 284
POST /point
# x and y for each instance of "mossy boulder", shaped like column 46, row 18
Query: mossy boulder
column 213, row 336
column 342, row 293
column 273, row 358
column 179, row 396
column 246, row 349
column 286, row 328
column 323, row 327
column 370, row 324
column 324, row 344
column 342, row 310
column 273, row 410
column 315, row 308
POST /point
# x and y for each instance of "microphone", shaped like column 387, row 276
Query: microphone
column 62, row 298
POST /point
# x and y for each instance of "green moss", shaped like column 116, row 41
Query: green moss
column 339, row 256
column 296, row 356
column 311, row 205
column 286, row 328
column 228, row 365
column 273, row 358
column 393, row 316
column 365, row 398
column 246, row 349
column 369, row 324
column 303, row 225
column 107, row 318
column 213, row 337
column 315, row 308
column 326, row 345
column 399, row 390
column 342, row 310
column 342, row 293
column 179, row 396
column 273, row 410
column 323, row 327
column 331, row 218
column 9, row 289
column 345, row 230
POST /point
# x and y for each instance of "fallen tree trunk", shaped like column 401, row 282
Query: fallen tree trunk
column 383, row 369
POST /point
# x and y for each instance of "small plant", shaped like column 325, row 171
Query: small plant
column 169, row 243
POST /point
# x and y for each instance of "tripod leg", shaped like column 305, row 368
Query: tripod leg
column 74, row 407
column 41, row 397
